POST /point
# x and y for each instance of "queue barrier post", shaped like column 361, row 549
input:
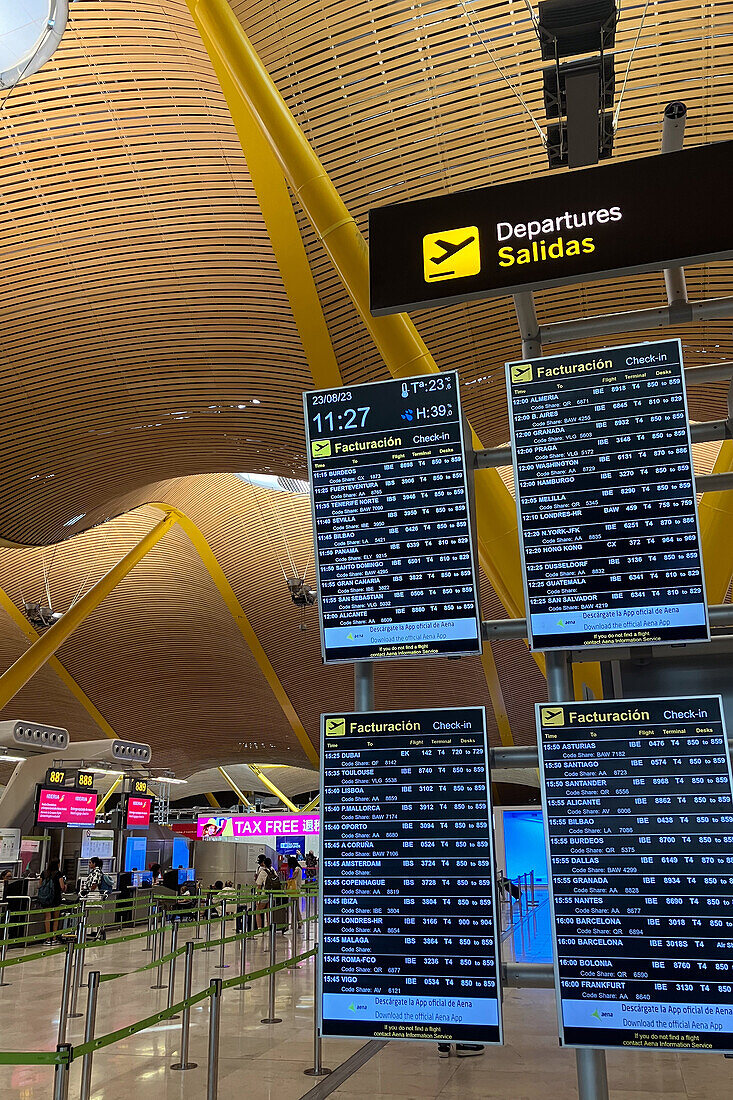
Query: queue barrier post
column 243, row 942
column 159, row 944
column 149, row 944
column 4, row 948
column 172, row 966
column 198, row 911
column 317, row 1069
column 294, row 934
column 91, row 1016
column 222, row 964
column 65, row 991
column 186, row 1014
column 212, row 1070
column 81, row 932
column 61, row 1074
column 271, row 1018
column 208, row 926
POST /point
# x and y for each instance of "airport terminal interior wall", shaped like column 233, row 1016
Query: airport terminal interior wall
column 143, row 313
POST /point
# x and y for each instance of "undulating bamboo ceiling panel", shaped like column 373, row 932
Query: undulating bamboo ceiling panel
column 404, row 101
column 148, row 349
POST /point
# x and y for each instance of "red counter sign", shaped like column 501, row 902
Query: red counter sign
column 138, row 813
column 60, row 807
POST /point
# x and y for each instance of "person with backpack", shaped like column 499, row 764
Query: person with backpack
column 96, row 888
column 280, row 906
column 52, row 887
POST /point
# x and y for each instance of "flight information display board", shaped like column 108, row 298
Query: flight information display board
column 392, row 520
column 639, row 824
column 408, row 914
column 606, row 498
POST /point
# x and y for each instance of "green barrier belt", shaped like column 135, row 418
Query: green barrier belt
column 35, row 955
column 35, row 1058
column 231, row 982
column 175, row 1010
column 133, row 1029
column 27, row 940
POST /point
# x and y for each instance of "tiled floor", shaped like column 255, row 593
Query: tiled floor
column 266, row 1062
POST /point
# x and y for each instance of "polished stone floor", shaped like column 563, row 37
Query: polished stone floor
column 266, row 1062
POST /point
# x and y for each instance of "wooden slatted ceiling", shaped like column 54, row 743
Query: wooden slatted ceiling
column 403, row 101
column 143, row 309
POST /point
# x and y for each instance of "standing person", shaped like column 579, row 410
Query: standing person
column 96, row 887
column 273, row 885
column 311, row 866
column 294, row 884
column 156, row 873
column 260, row 883
column 52, row 887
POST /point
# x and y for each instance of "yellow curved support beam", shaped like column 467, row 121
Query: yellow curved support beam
column 19, row 673
column 245, row 80
column 716, row 531
column 271, row 787
column 103, row 802
column 215, row 571
column 230, row 782
column 53, row 662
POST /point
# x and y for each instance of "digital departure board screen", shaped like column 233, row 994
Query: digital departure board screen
column 606, row 498
column 391, row 519
column 408, row 915
column 639, row 818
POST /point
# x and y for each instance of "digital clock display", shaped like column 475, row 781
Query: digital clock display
column 392, row 522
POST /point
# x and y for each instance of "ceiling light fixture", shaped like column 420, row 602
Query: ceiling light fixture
column 165, row 779
column 29, row 35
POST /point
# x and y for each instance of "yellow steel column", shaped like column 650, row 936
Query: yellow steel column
column 271, row 786
column 716, row 531
column 311, row 805
column 240, row 794
column 244, row 626
column 103, row 802
column 212, row 800
column 63, row 674
column 396, row 337
column 19, row 673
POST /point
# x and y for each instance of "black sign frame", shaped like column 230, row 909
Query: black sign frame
column 658, row 203
column 587, row 360
column 452, row 714
column 427, row 386
column 638, row 714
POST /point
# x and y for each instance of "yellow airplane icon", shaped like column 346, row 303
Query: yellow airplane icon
column 552, row 716
column 321, row 448
column 335, row 727
column 522, row 372
column 451, row 254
